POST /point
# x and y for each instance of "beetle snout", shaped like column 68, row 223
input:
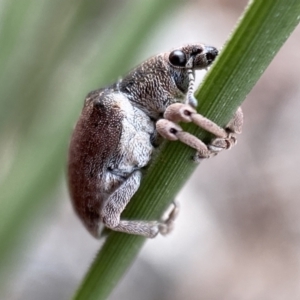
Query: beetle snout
column 211, row 54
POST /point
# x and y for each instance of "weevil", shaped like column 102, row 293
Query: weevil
column 121, row 125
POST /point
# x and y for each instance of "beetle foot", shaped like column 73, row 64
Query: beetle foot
column 168, row 225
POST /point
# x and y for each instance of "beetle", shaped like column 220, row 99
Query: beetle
column 121, row 125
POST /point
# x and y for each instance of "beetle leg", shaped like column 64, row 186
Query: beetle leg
column 179, row 112
column 116, row 203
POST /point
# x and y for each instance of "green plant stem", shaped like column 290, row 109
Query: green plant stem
column 261, row 32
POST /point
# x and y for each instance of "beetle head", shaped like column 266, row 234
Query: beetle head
column 194, row 57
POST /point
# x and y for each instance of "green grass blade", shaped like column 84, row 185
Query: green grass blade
column 261, row 32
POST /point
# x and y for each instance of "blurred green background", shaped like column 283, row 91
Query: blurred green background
column 52, row 54
column 242, row 207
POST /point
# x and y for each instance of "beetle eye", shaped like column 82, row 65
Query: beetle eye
column 177, row 58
